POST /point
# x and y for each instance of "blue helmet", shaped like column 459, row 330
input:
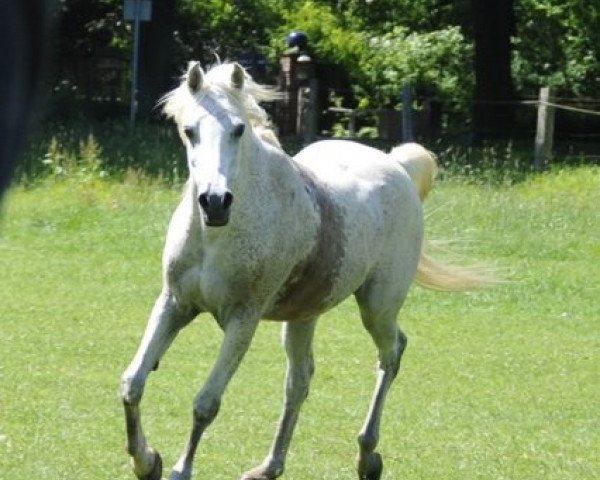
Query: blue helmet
column 297, row 38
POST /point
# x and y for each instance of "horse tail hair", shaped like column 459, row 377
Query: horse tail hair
column 421, row 166
column 440, row 275
column 419, row 163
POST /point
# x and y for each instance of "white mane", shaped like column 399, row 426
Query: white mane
column 246, row 99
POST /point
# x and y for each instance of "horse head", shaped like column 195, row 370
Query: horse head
column 213, row 127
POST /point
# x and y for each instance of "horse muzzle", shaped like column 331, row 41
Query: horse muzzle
column 216, row 208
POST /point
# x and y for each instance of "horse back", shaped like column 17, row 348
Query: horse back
column 369, row 214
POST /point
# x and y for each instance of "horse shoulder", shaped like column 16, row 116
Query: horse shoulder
column 182, row 252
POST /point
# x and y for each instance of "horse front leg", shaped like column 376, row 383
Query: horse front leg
column 239, row 332
column 164, row 323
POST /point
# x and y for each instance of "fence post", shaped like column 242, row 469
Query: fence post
column 308, row 111
column 312, row 119
column 352, row 124
column 407, row 125
column 545, row 130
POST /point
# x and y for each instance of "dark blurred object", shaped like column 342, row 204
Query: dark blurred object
column 24, row 25
column 297, row 39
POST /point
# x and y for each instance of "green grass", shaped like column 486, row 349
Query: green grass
column 498, row 384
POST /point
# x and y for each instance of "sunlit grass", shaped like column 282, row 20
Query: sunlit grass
column 498, row 384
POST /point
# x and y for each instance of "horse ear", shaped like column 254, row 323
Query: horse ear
column 195, row 77
column 238, row 76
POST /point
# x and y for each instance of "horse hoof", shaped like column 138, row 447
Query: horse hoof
column 262, row 472
column 370, row 467
column 156, row 472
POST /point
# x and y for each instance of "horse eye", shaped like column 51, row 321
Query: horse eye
column 238, row 130
column 189, row 133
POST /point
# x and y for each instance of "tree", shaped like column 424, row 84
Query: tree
column 157, row 51
column 557, row 44
column 493, row 25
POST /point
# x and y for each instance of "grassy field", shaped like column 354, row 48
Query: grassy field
column 499, row 384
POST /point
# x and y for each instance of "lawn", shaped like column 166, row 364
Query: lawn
column 495, row 384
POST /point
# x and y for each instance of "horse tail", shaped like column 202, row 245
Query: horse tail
column 439, row 275
column 421, row 166
column 419, row 163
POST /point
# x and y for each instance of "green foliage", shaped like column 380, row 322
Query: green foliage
column 89, row 150
column 437, row 61
column 380, row 62
column 422, row 15
column 86, row 166
column 225, row 28
column 329, row 36
column 557, row 44
column 500, row 163
column 87, row 28
column 381, row 44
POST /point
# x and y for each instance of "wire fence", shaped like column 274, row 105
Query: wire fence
column 570, row 128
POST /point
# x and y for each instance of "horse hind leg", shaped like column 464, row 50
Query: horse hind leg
column 369, row 463
column 297, row 340
column 390, row 343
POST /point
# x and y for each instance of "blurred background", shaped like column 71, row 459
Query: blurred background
column 463, row 77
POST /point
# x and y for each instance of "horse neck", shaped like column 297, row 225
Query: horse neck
column 263, row 164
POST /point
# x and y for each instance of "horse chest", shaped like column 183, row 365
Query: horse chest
column 223, row 275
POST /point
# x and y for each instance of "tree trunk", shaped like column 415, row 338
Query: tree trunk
column 493, row 24
column 157, row 74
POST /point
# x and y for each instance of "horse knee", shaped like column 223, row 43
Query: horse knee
column 132, row 389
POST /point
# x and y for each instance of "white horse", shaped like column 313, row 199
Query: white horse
column 260, row 235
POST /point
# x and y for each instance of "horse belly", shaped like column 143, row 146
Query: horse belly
column 335, row 271
column 304, row 298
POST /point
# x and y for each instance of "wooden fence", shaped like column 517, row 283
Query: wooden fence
column 546, row 106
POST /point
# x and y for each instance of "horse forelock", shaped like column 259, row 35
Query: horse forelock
column 245, row 100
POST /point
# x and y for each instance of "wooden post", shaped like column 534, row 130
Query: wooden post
column 312, row 117
column 352, row 124
column 545, row 130
column 308, row 111
column 407, row 125
column 287, row 109
column 301, row 110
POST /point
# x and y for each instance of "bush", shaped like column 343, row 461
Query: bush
column 436, row 62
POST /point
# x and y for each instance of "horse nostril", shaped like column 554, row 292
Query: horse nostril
column 203, row 201
column 208, row 201
column 227, row 200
